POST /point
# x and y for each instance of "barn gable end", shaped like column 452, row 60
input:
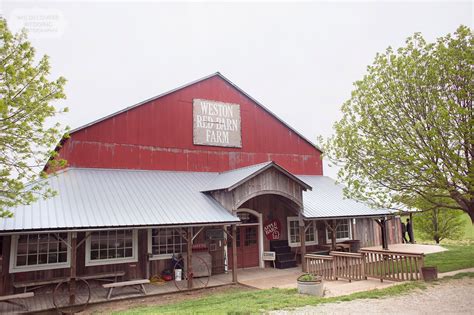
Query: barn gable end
column 157, row 134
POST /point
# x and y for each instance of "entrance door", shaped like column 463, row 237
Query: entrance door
column 247, row 247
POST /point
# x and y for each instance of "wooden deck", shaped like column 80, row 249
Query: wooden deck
column 43, row 299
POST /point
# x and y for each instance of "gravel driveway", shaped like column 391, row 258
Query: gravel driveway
column 451, row 297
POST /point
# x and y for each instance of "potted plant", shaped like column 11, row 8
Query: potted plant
column 310, row 284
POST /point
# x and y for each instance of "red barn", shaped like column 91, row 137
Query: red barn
column 202, row 171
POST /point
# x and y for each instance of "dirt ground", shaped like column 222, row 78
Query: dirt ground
column 451, row 297
column 107, row 308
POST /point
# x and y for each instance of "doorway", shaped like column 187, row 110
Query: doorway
column 247, row 239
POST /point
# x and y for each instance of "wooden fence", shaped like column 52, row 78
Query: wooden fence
column 380, row 264
column 321, row 265
column 394, row 266
column 348, row 266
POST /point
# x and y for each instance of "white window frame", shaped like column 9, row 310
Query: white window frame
column 111, row 261
column 298, row 244
column 150, row 246
column 13, row 256
column 340, row 239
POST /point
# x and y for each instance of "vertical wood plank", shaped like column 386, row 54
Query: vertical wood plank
column 189, row 257
column 72, row 282
column 234, row 253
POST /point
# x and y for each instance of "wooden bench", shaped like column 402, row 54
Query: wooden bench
column 132, row 283
column 36, row 284
column 10, row 299
column 104, row 276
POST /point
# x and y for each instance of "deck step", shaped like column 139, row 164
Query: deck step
column 285, row 256
column 278, row 243
column 282, row 249
column 285, row 264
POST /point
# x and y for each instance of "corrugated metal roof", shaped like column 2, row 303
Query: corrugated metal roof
column 89, row 198
column 326, row 200
column 95, row 198
column 233, row 178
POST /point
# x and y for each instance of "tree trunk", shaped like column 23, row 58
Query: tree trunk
column 470, row 211
column 435, row 225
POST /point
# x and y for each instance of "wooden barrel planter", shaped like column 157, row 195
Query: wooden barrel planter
column 311, row 285
column 429, row 273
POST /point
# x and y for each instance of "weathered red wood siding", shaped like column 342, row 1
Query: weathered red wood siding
column 159, row 136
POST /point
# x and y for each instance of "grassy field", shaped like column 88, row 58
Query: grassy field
column 457, row 257
column 468, row 228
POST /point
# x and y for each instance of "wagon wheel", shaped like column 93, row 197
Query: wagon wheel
column 65, row 303
column 200, row 275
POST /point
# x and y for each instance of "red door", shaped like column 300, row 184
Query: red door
column 247, row 247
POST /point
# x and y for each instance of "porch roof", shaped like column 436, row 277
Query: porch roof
column 111, row 198
column 326, row 200
column 92, row 198
column 230, row 179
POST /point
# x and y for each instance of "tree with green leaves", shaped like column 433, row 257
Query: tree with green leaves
column 407, row 132
column 439, row 224
column 27, row 133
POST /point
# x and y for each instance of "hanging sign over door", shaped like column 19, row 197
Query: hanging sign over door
column 216, row 124
column 272, row 229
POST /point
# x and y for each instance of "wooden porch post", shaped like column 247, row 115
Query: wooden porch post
column 333, row 234
column 234, row 253
column 189, row 257
column 412, row 228
column 383, row 227
column 72, row 283
column 302, row 242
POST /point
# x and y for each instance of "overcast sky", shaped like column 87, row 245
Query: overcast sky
column 298, row 59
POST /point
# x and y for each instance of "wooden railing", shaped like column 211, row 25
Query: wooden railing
column 321, row 265
column 348, row 266
column 394, row 266
column 380, row 264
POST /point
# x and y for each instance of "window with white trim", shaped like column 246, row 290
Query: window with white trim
column 165, row 242
column 294, row 232
column 39, row 252
column 343, row 231
column 111, row 247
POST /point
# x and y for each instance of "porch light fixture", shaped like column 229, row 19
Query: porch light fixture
column 243, row 216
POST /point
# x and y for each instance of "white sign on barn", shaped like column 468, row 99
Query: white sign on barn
column 216, row 123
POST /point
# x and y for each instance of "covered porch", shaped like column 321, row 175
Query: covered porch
column 43, row 299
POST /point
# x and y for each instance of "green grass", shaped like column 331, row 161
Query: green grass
column 468, row 228
column 250, row 302
column 455, row 258
column 236, row 301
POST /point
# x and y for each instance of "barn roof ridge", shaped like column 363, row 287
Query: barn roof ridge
column 190, row 84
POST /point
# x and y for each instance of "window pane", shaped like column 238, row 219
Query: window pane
column 310, row 234
column 111, row 244
column 250, row 236
column 32, row 259
column 166, row 241
column 21, row 260
column 128, row 252
column 40, row 249
column 62, row 257
column 294, row 231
